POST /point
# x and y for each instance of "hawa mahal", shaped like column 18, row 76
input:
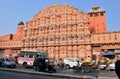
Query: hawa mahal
column 63, row 31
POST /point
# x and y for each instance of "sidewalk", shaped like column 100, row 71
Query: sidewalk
column 61, row 75
column 106, row 78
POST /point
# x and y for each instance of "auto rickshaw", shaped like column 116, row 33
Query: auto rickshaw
column 44, row 65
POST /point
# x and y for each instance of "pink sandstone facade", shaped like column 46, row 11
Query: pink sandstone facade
column 11, row 44
column 62, row 31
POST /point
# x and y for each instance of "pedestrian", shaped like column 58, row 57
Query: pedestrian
column 117, row 67
column 61, row 63
column 89, row 58
column 78, row 63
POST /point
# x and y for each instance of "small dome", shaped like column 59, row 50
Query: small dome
column 95, row 7
column 20, row 23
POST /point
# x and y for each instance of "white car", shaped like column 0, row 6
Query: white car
column 71, row 62
column 112, row 66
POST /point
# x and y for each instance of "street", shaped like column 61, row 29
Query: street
column 70, row 71
column 102, row 73
column 13, row 75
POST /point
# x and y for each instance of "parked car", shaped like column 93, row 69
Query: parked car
column 112, row 66
column 71, row 62
column 5, row 62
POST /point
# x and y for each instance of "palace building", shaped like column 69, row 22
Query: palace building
column 63, row 31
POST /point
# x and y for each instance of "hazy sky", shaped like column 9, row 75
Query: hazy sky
column 13, row 11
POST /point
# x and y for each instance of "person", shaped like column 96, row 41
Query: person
column 107, row 62
column 61, row 63
column 47, row 61
column 86, row 60
column 77, row 68
column 78, row 63
column 89, row 58
column 117, row 67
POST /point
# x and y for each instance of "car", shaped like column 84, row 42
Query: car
column 112, row 66
column 71, row 62
column 6, row 62
column 110, row 56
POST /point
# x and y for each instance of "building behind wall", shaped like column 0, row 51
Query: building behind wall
column 106, row 42
column 11, row 44
column 62, row 31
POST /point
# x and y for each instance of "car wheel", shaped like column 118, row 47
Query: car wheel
column 5, row 66
column 67, row 66
column 25, row 65
column 14, row 66
column 54, row 70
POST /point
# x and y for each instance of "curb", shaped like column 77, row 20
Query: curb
column 60, row 75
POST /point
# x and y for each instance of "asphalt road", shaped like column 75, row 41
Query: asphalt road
column 13, row 75
column 102, row 73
